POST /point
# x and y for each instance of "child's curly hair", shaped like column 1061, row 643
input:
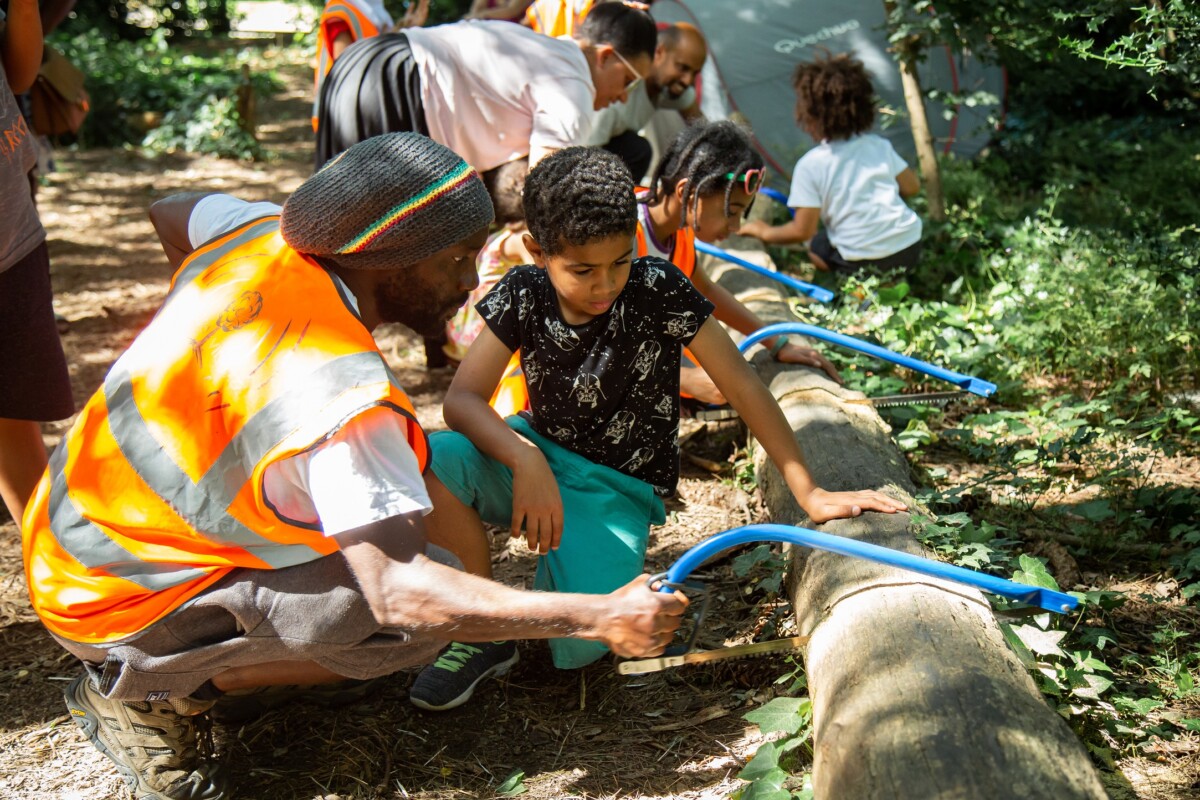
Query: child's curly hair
column 505, row 184
column 705, row 154
column 834, row 97
column 578, row 195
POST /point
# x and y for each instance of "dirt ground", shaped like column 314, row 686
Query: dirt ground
column 588, row 733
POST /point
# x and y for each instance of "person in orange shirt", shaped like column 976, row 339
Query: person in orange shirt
column 242, row 504
column 557, row 17
column 344, row 22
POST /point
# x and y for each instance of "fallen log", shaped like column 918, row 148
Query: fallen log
column 915, row 692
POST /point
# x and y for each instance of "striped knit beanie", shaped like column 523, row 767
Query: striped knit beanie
column 385, row 203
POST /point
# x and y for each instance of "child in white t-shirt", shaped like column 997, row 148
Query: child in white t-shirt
column 853, row 181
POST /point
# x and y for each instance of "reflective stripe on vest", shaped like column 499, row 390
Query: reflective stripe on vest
column 156, row 492
column 361, row 27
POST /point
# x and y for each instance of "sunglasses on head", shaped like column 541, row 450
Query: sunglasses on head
column 751, row 179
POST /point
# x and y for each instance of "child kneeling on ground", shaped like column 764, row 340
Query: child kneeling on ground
column 853, row 181
column 582, row 473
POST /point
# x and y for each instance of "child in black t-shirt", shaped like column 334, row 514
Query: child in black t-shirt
column 583, row 472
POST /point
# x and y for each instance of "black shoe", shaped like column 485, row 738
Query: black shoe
column 451, row 680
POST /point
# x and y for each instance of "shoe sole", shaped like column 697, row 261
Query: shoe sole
column 89, row 723
column 495, row 671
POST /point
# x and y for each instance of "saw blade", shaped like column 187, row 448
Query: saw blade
column 892, row 400
column 644, row 665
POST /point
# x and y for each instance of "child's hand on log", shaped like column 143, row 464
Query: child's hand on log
column 795, row 354
column 823, row 506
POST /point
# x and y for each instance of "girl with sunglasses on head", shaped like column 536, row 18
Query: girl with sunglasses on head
column 702, row 188
column 853, row 180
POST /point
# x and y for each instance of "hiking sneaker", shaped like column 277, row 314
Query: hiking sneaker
column 451, row 680
column 243, row 705
column 153, row 744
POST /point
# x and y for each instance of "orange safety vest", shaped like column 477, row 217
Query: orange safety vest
column 557, row 17
column 683, row 253
column 157, row 490
column 361, row 27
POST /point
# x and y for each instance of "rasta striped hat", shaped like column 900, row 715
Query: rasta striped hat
column 385, row 203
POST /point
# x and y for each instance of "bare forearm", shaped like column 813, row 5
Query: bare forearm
column 21, row 44
column 787, row 233
column 444, row 602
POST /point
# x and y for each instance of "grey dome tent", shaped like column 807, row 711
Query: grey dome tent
column 755, row 44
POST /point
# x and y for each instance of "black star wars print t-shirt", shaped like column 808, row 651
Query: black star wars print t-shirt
column 607, row 389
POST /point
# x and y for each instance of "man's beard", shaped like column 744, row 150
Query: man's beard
column 411, row 308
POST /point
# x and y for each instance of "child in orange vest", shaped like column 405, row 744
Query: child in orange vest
column 702, row 188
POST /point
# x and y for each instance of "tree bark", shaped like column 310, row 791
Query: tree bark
column 907, row 59
column 915, row 693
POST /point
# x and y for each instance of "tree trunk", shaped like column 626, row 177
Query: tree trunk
column 907, row 58
column 915, row 693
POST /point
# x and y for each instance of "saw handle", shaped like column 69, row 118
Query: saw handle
column 1050, row 600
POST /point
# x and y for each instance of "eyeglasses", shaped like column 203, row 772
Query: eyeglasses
column 637, row 76
column 751, row 179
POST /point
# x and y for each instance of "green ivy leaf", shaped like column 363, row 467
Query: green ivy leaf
column 1142, row 706
column 1044, row 643
column 786, row 714
column 1014, row 641
column 765, row 762
column 513, row 785
column 1095, row 510
column 768, row 787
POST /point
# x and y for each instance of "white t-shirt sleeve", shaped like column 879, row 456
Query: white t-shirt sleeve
column 218, row 214
column 895, row 162
column 364, row 473
column 805, row 191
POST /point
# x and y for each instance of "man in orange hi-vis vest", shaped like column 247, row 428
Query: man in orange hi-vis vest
column 241, row 504
column 344, row 22
column 557, row 17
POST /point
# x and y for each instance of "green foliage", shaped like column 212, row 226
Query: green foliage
column 513, row 785
column 173, row 17
column 134, row 84
column 770, row 771
column 1066, row 273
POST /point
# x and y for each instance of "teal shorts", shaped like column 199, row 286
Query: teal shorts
column 606, row 520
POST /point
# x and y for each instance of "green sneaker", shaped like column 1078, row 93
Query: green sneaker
column 153, row 744
column 451, row 680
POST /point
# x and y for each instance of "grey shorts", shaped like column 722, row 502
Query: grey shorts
column 309, row 612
